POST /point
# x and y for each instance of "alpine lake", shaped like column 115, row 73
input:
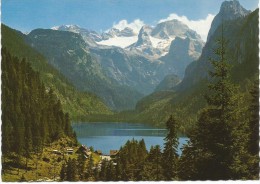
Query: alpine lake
column 106, row 136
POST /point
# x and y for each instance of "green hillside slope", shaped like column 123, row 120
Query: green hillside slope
column 77, row 104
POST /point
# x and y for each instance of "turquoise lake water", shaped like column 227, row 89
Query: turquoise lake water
column 111, row 136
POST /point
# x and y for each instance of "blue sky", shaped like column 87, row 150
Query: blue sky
column 98, row 15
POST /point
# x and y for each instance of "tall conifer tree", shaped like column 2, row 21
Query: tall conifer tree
column 214, row 142
column 170, row 156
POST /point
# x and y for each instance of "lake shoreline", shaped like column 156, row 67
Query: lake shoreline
column 108, row 136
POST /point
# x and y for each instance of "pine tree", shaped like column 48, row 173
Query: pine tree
column 103, row 172
column 81, row 165
column 30, row 116
column 119, row 170
column 186, row 164
column 63, row 172
column 254, row 120
column 6, row 137
column 71, row 171
column 253, row 141
column 90, row 166
column 214, row 141
column 110, row 172
column 28, row 144
column 170, row 156
column 152, row 168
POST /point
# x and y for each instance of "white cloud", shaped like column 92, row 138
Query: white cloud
column 201, row 26
column 136, row 25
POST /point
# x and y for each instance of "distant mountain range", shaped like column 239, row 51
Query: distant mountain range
column 123, row 66
column 69, row 54
column 153, row 42
column 123, row 59
column 186, row 98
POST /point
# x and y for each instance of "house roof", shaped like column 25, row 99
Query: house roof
column 113, row 152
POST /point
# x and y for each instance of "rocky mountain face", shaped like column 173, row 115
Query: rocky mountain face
column 90, row 37
column 198, row 69
column 144, row 44
column 186, row 99
column 230, row 10
column 127, row 68
column 143, row 37
column 155, row 42
column 181, row 53
column 127, row 32
column 69, row 54
column 170, row 29
column 119, row 59
column 141, row 64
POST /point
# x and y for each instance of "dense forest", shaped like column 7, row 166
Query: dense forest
column 32, row 116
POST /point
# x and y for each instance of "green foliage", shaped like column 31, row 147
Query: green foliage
column 71, row 170
column 170, row 156
column 186, row 163
column 186, row 100
column 168, row 83
column 134, row 163
column 81, row 166
column 31, row 116
column 218, row 144
column 254, row 119
column 77, row 104
column 132, row 157
column 129, row 163
column 63, row 172
column 212, row 138
column 246, row 138
column 152, row 168
column 68, row 53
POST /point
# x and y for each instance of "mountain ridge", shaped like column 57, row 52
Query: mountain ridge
column 15, row 42
column 186, row 99
column 229, row 10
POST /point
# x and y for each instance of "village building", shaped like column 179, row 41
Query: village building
column 69, row 151
column 98, row 152
column 56, row 152
column 113, row 153
column 105, row 157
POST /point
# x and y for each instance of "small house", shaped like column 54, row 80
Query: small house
column 56, row 152
column 105, row 157
column 98, row 152
column 113, row 153
column 88, row 153
column 85, row 156
column 82, row 149
column 69, row 151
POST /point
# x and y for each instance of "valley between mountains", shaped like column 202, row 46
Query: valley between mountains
column 123, row 75
column 83, row 105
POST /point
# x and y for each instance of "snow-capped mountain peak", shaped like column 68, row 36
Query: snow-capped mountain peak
column 72, row 28
column 155, row 42
column 151, row 41
column 90, row 37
